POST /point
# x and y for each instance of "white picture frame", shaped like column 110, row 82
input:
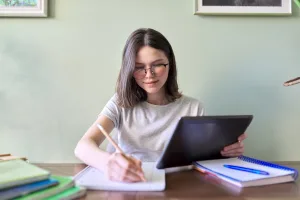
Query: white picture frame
column 241, row 7
column 23, row 8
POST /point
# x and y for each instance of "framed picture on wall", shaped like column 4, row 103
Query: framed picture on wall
column 243, row 7
column 23, row 8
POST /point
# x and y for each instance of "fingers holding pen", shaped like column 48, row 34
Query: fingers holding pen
column 117, row 173
column 123, row 168
column 132, row 164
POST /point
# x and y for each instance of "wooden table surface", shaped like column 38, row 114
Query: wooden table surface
column 191, row 185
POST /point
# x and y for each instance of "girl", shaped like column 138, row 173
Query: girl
column 144, row 110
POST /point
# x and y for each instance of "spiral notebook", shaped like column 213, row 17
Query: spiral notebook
column 93, row 179
column 276, row 173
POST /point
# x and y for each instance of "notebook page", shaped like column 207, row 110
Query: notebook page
column 217, row 167
column 92, row 178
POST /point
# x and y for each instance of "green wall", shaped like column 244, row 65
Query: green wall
column 57, row 73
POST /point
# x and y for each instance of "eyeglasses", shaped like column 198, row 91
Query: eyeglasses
column 156, row 70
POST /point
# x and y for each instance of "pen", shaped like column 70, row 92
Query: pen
column 292, row 82
column 110, row 139
column 114, row 144
column 254, row 171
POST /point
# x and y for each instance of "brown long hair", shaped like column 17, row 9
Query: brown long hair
column 128, row 91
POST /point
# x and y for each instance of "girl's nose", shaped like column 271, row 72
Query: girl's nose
column 149, row 72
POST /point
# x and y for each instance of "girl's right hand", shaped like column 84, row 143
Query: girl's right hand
column 124, row 168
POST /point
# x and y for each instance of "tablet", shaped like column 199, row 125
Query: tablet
column 202, row 138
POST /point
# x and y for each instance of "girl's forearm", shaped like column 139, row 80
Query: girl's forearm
column 89, row 153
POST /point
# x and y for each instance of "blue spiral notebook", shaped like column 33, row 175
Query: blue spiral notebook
column 274, row 173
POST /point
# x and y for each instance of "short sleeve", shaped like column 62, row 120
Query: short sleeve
column 201, row 110
column 112, row 111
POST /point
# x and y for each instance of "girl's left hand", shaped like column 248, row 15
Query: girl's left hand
column 236, row 149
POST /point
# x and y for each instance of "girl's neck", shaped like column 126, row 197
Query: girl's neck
column 157, row 99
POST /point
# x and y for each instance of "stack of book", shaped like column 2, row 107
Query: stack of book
column 22, row 180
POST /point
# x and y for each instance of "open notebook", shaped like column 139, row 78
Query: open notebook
column 277, row 173
column 94, row 179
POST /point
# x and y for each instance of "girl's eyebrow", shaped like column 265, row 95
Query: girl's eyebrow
column 138, row 63
column 160, row 59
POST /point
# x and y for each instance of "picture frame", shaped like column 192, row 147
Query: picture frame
column 243, row 7
column 23, row 8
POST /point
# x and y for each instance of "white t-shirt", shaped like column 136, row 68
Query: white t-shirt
column 144, row 130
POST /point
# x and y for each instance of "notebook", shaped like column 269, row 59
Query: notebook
column 26, row 189
column 19, row 172
column 65, row 182
column 93, row 179
column 277, row 173
column 71, row 193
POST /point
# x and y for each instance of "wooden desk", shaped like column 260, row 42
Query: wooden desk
column 191, row 185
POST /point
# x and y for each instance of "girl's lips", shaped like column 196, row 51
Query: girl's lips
column 151, row 82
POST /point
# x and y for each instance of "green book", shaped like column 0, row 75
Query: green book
column 19, row 172
column 65, row 182
column 72, row 193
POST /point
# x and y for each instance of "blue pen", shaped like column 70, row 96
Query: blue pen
column 255, row 171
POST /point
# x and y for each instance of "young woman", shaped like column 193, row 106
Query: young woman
column 145, row 110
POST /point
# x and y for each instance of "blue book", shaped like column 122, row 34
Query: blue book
column 26, row 189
